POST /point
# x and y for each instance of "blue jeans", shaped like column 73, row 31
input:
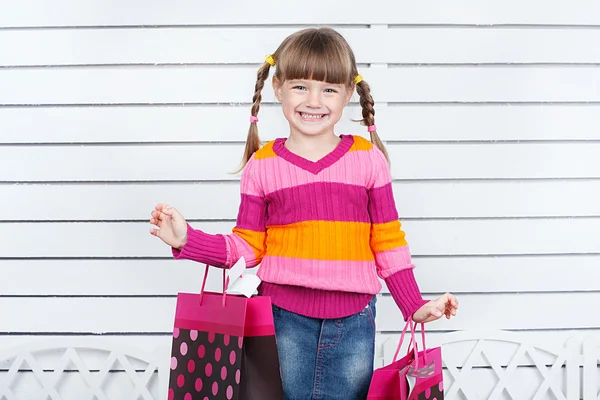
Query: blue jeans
column 326, row 359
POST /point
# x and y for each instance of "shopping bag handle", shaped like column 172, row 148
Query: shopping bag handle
column 422, row 341
column 412, row 345
column 225, row 285
column 422, row 338
column 410, row 324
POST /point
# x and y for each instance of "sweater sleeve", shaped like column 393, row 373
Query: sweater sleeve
column 388, row 243
column 247, row 238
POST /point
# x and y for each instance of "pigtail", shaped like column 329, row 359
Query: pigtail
column 368, row 112
column 253, row 142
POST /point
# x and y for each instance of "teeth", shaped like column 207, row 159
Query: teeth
column 311, row 116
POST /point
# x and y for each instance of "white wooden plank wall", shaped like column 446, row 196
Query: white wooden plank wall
column 490, row 111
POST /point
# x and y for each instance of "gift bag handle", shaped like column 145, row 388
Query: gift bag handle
column 422, row 341
column 422, row 338
column 412, row 345
column 410, row 324
column 225, row 285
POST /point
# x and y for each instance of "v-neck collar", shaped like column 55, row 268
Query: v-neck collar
column 314, row 166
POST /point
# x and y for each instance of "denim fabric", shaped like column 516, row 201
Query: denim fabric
column 326, row 359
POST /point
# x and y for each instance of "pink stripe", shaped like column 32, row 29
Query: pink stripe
column 248, row 184
column 381, row 169
column 237, row 248
column 391, row 261
column 252, row 213
column 225, row 329
column 354, row 168
column 205, row 326
column 211, row 312
column 318, row 202
column 358, row 276
column 382, row 207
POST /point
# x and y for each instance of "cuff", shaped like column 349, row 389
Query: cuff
column 405, row 291
column 203, row 248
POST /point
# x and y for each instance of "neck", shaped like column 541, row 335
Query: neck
column 312, row 147
column 311, row 142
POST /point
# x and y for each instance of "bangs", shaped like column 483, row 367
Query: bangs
column 317, row 57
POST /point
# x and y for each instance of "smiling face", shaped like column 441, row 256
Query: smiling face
column 312, row 107
column 313, row 79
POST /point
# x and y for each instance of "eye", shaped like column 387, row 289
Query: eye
column 330, row 90
column 299, row 87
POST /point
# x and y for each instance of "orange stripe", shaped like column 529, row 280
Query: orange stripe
column 321, row 240
column 265, row 152
column 361, row 144
column 387, row 236
column 256, row 240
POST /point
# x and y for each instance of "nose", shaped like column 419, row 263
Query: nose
column 314, row 99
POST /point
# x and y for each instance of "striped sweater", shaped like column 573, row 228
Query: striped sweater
column 323, row 232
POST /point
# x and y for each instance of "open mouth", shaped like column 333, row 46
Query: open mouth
column 311, row 117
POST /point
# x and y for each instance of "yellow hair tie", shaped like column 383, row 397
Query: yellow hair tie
column 358, row 79
column 270, row 61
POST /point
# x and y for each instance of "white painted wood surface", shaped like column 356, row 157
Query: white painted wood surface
column 204, row 84
column 431, row 122
column 30, row 13
column 193, row 45
column 491, row 113
column 200, row 162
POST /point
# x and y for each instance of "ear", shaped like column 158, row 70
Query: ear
column 350, row 93
column 277, row 88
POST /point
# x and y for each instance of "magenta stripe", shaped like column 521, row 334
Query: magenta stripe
column 225, row 329
column 206, row 326
column 263, row 330
column 321, row 274
column 382, row 206
column 252, row 213
column 314, row 167
column 322, row 201
column 203, row 248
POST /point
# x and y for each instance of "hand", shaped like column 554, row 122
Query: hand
column 444, row 305
column 172, row 227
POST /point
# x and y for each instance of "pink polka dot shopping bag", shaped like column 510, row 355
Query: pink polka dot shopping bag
column 224, row 347
column 416, row 376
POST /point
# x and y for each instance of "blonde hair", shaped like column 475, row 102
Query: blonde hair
column 320, row 54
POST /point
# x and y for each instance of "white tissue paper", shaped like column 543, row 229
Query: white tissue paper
column 241, row 280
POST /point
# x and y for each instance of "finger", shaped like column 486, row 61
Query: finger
column 156, row 222
column 451, row 311
column 166, row 217
column 168, row 211
column 159, row 206
column 155, row 232
column 441, row 303
column 453, row 301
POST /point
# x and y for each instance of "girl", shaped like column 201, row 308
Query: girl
column 317, row 212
